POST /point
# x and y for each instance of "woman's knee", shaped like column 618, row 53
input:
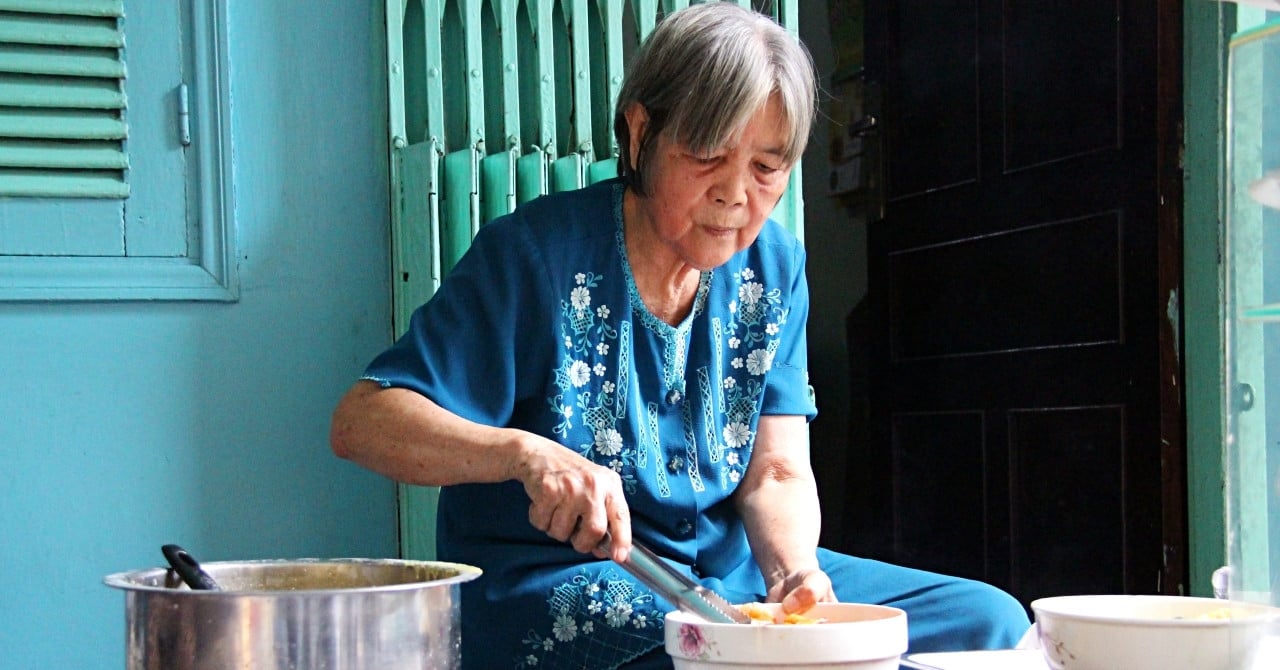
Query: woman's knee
column 996, row 619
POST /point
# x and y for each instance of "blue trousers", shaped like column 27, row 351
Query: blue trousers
column 943, row 613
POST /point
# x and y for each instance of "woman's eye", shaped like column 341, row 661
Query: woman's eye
column 768, row 169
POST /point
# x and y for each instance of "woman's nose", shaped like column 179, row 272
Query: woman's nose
column 731, row 187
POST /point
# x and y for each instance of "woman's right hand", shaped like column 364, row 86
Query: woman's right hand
column 575, row 500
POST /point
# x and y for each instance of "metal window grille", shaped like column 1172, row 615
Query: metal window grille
column 494, row 103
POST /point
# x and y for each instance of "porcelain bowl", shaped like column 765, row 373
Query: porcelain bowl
column 853, row 636
column 1105, row 632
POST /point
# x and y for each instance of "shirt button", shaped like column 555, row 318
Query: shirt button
column 684, row 527
column 675, row 464
column 674, row 396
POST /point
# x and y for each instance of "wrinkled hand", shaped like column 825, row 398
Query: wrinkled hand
column 800, row 590
column 574, row 500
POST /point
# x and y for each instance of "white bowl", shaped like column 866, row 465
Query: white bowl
column 1106, row 632
column 853, row 636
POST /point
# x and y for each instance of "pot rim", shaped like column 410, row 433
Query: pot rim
column 131, row 580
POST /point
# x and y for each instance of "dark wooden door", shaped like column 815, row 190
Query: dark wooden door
column 1024, row 389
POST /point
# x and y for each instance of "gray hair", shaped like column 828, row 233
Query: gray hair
column 703, row 73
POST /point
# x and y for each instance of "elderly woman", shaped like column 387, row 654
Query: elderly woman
column 628, row 360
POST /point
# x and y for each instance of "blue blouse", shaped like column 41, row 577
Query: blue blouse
column 540, row 327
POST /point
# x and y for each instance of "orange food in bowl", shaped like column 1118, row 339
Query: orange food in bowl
column 759, row 614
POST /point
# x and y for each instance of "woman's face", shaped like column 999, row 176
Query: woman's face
column 705, row 208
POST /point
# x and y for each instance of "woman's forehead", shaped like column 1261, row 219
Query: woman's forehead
column 764, row 131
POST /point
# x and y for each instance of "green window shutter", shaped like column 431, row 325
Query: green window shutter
column 62, row 101
column 86, row 212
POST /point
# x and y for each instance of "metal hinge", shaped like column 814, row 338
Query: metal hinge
column 184, row 116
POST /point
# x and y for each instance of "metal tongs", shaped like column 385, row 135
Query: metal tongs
column 684, row 593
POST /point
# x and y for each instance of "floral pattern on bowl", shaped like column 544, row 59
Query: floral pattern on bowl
column 693, row 643
column 853, row 636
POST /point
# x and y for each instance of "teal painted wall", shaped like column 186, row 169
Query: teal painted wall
column 125, row 426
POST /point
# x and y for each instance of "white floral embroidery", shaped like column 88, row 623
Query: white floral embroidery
column 565, row 628
column 618, row 614
column 578, row 606
column 736, row 435
column 593, row 352
column 580, row 298
column 750, row 339
column 608, row 442
column 579, row 374
column 759, row 361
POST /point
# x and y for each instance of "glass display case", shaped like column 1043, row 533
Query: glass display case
column 1251, row 261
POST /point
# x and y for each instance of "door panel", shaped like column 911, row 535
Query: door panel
column 1015, row 297
column 1054, row 106
column 1052, row 451
column 929, row 535
column 935, row 85
column 993, row 282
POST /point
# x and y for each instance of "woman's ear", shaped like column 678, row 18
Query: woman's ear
column 637, row 122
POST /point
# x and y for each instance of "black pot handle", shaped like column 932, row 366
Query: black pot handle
column 188, row 569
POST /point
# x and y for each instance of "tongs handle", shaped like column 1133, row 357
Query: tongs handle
column 188, row 568
column 681, row 591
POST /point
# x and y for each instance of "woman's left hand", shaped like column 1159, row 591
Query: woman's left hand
column 800, row 590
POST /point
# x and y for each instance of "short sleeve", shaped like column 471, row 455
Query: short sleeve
column 787, row 390
column 464, row 348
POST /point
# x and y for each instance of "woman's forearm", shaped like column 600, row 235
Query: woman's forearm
column 783, row 522
column 778, row 500
column 407, row 437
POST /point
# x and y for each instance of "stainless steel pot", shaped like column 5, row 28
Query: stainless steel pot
column 344, row 614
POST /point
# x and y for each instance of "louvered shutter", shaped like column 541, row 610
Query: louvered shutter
column 62, row 101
